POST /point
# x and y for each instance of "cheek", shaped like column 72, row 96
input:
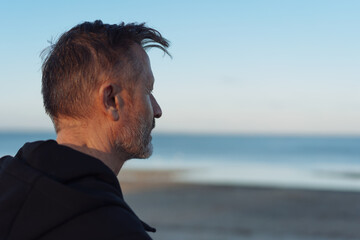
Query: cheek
column 147, row 111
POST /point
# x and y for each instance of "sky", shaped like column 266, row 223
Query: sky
column 243, row 67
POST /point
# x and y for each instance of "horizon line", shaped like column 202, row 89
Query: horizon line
column 203, row 133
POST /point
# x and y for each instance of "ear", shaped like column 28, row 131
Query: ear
column 110, row 100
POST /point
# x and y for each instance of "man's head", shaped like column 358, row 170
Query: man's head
column 100, row 73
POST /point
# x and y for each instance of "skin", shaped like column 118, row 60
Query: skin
column 119, row 125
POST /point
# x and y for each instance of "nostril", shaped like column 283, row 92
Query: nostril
column 158, row 113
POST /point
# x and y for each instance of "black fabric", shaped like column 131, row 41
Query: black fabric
column 51, row 192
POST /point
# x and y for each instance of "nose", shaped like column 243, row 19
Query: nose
column 156, row 107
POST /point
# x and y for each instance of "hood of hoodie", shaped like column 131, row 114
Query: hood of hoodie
column 47, row 184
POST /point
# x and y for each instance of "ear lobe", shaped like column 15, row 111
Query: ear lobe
column 109, row 94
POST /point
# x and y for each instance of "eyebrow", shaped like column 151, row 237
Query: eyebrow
column 151, row 83
column 150, row 86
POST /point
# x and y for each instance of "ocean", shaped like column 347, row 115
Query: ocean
column 310, row 162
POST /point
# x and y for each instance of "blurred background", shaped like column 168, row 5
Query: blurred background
column 259, row 94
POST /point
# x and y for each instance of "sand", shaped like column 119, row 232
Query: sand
column 182, row 211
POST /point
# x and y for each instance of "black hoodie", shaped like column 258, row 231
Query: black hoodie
column 49, row 191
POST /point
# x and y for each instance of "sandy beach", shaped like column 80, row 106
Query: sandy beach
column 183, row 211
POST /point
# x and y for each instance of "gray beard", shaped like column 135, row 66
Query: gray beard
column 135, row 141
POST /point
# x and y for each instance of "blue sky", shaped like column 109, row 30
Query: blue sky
column 238, row 67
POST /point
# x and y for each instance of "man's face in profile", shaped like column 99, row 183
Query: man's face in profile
column 135, row 135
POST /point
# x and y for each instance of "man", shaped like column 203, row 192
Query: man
column 96, row 87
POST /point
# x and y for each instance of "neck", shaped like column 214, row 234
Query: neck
column 87, row 140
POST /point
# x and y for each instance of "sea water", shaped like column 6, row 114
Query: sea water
column 319, row 162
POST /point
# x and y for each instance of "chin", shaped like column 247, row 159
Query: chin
column 135, row 143
column 145, row 153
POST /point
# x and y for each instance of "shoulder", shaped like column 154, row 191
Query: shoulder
column 107, row 222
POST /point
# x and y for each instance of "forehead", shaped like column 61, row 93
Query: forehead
column 139, row 55
column 139, row 68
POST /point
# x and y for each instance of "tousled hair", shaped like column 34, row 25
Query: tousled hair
column 78, row 62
